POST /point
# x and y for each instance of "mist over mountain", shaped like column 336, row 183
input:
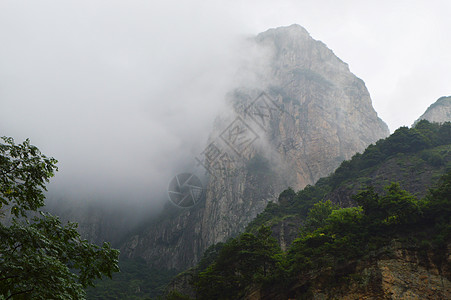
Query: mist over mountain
column 292, row 120
column 133, row 97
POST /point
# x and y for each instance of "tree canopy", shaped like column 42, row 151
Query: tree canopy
column 41, row 258
column 330, row 238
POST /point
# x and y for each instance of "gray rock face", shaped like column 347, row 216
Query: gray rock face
column 307, row 114
column 438, row 112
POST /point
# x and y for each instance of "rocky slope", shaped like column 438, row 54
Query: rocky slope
column 395, row 272
column 307, row 113
column 439, row 112
column 415, row 170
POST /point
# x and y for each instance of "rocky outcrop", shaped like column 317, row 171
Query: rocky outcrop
column 438, row 112
column 306, row 115
column 396, row 272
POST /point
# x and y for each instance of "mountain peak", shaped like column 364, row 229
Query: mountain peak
column 306, row 114
column 439, row 111
column 291, row 29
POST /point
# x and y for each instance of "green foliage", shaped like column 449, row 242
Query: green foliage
column 248, row 259
column 286, row 197
column 41, row 258
column 174, row 295
column 24, row 173
column 290, row 203
column 396, row 207
column 136, row 280
column 209, row 256
column 405, row 140
column 331, row 238
column 337, row 241
column 350, row 233
column 437, row 205
column 432, row 157
column 399, row 206
column 318, row 215
column 425, row 139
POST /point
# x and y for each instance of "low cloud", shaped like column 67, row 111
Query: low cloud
column 124, row 94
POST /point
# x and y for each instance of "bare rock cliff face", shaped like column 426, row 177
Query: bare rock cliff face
column 438, row 112
column 307, row 114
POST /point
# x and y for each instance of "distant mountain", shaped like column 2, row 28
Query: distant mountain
column 300, row 113
column 439, row 112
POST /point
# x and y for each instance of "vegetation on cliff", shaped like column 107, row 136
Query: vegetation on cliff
column 331, row 237
column 136, row 280
column 414, row 150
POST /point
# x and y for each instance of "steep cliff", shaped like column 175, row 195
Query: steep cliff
column 394, row 247
column 439, row 112
column 306, row 115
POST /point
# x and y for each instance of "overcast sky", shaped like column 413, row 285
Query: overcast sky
column 123, row 93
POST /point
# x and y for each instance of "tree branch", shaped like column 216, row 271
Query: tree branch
column 18, row 293
column 8, row 277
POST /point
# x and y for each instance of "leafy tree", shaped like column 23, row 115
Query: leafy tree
column 175, row 295
column 332, row 240
column 372, row 156
column 444, row 134
column 432, row 157
column 248, row 259
column 39, row 257
column 399, row 205
column 405, row 140
column 137, row 280
column 437, row 205
column 318, row 215
column 369, row 200
column 344, row 221
column 286, row 197
column 24, row 173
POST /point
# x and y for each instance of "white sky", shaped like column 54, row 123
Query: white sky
column 123, row 92
column 401, row 49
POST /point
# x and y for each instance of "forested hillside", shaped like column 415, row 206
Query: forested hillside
column 353, row 222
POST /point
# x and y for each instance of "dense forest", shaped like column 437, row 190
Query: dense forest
column 330, row 239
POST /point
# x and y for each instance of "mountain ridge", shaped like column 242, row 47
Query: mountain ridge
column 439, row 111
